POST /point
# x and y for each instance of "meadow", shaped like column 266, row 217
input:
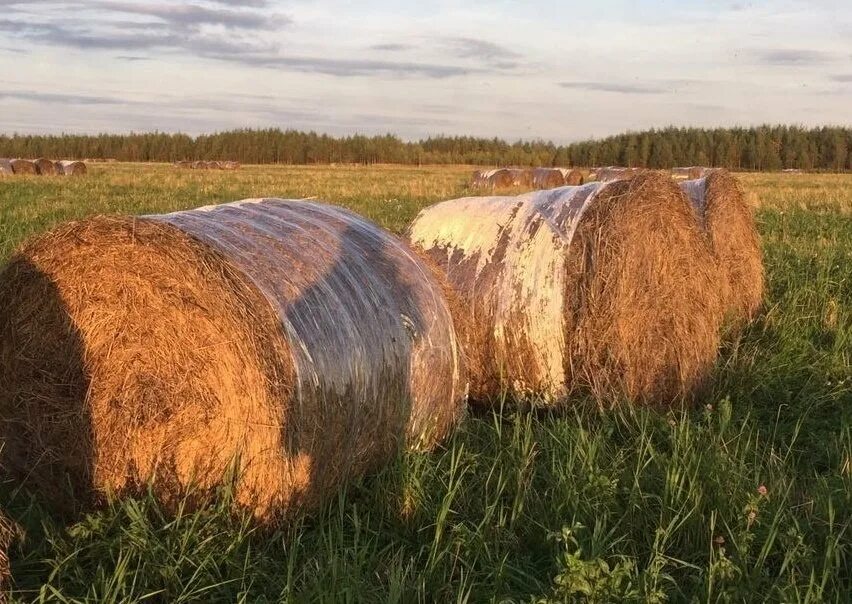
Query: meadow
column 746, row 496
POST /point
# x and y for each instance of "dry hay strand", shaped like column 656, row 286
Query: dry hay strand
column 573, row 177
column 73, row 168
column 608, row 288
column 728, row 220
column 45, row 167
column 23, row 166
column 615, row 173
column 295, row 337
column 9, row 533
column 6, row 167
column 547, row 178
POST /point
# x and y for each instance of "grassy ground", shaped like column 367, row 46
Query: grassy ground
column 747, row 497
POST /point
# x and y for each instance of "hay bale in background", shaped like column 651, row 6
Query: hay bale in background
column 609, row 288
column 573, row 177
column 547, row 178
column 612, row 173
column 521, row 177
column 729, row 222
column 6, row 167
column 183, row 164
column 23, row 166
column 45, row 167
column 230, row 165
column 296, row 336
column 73, row 168
column 498, row 178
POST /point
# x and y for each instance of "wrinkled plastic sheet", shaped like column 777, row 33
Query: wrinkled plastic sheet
column 364, row 322
column 696, row 191
column 510, row 254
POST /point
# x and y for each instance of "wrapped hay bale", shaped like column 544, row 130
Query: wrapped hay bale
column 294, row 337
column 230, row 165
column 729, row 222
column 73, row 168
column 6, row 167
column 615, row 173
column 608, row 288
column 23, row 166
column 547, row 178
column 45, row 167
column 573, row 177
column 183, row 164
column 521, row 177
column 498, row 178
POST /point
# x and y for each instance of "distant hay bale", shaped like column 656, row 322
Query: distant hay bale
column 615, row 173
column 45, row 167
column 573, row 177
column 6, row 167
column 608, row 288
column 547, row 178
column 294, row 337
column 521, row 177
column 230, row 165
column 73, row 168
column 212, row 165
column 729, row 221
column 23, row 166
column 498, row 178
column 197, row 165
column 183, row 164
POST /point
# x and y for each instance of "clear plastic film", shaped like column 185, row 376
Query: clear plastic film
column 370, row 334
column 507, row 255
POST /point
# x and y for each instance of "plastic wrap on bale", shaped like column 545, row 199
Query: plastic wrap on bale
column 294, row 338
column 608, row 288
column 729, row 223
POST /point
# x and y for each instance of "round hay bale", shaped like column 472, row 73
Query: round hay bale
column 573, row 177
column 197, row 165
column 73, row 168
column 294, row 337
column 695, row 172
column 45, row 167
column 23, row 166
column 521, row 177
column 6, row 167
column 547, row 178
column 615, row 173
column 230, row 165
column 729, row 223
column 608, row 288
column 183, row 164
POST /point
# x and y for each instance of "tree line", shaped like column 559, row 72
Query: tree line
column 756, row 148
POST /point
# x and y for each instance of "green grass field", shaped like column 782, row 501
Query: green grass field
column 747, row 497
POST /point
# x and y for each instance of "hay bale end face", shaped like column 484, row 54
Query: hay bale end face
column 547, row 178
column 295, row 337
column 6, row 167
column 73, row 168
column 728, row 220
column 45, row 167
column 607, row 288
column 23, row 166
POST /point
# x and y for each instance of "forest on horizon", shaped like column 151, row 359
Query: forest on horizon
column 761, row 148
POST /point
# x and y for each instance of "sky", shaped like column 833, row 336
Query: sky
column 534, row 69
